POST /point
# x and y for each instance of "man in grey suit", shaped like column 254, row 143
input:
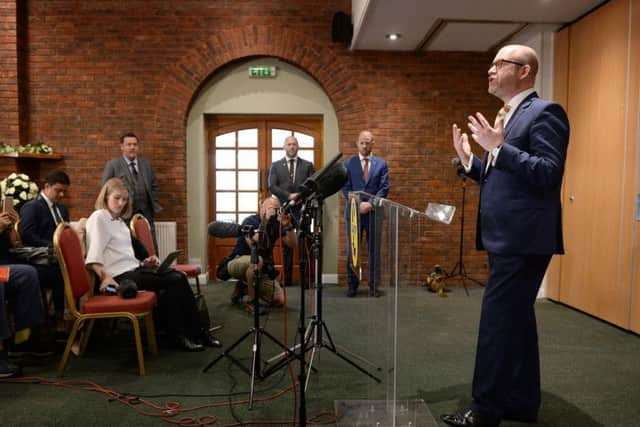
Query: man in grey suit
column 285, row 177
column 137, row 172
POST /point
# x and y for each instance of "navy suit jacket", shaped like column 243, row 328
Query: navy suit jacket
column 520, row 211
column 36, row 222
column 377, row 184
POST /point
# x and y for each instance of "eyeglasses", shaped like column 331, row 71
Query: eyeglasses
column 500, row 62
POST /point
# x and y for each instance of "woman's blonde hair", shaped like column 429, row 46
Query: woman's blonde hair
column 109, row 187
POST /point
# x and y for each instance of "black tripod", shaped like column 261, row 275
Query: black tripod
column 257, row 331
column 312, row 337
column 459, row 270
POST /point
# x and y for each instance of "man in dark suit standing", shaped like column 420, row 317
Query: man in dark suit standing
column 137, row 172
column 519, row 224
column 285, row 177
column 368, row 173
column 38, row 221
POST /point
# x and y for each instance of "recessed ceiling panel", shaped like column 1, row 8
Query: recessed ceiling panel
column 470, row 36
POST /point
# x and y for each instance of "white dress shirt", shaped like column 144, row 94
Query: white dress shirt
column 51, row 208
column 109, row 243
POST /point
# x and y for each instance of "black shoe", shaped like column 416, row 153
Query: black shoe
column 209, row 340
column 30, row 348
column 374, row 293
column 186, row 344
column 262, row 309
column 468, row 418
column 9, row 370
column 351, row 292
column 239, row 292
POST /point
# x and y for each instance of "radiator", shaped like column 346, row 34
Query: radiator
column 166, row 235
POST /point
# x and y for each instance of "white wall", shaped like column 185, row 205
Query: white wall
column 231, row 91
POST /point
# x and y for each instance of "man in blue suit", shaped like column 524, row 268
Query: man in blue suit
column 38, row 221
column 368, row 173
column 519, row 224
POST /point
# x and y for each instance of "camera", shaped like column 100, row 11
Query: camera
column 111, row 290
column 270, row 269
column 247, row 230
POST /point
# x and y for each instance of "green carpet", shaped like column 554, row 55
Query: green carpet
column 590, row 370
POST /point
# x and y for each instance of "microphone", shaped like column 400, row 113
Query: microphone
column 325, row 182
column 224, row 230
column 460, row 171
column 128, row 289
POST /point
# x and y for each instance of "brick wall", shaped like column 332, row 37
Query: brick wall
column 95, row 69
column 9, row 125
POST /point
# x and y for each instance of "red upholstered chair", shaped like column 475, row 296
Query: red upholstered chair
column 142, row 231
column 86, row 307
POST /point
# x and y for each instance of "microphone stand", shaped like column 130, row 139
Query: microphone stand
column 459, row 269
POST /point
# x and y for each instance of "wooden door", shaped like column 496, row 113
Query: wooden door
column 241, row 149
column 594, row 274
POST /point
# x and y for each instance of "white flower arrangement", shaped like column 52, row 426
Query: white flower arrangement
column 39, row 148
column 18, row 186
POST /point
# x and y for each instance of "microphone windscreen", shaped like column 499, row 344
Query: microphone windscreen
column 224, row 230
column 330, row 181
column 456, row 161
column 128, row 289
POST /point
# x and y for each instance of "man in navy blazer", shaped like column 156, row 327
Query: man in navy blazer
column 38, row 221
column 368, row 173
column 519, row 224
column 285, row 178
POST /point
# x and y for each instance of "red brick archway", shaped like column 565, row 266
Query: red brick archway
column 184, row 79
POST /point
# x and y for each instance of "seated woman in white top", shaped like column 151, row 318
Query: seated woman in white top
column 111, row 256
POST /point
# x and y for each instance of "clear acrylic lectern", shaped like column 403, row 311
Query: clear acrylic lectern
column 400, row 269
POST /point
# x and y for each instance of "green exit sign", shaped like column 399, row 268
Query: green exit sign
column 262, row 72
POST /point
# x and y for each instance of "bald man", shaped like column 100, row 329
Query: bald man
column 519, row 225
column 368, row 173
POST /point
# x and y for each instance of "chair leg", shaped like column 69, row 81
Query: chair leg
column 67, row 349
column 136, row 332
column 151, row 334
column 84, row 340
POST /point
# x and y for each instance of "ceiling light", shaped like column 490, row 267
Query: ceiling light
column 393, row 36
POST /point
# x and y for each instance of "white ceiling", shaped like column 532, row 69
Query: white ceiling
column 463, row 25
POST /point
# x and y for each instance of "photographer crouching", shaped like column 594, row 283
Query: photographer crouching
column 262, row 231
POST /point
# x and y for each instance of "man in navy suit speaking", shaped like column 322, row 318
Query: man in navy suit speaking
column 368, row 173
column 519, row 224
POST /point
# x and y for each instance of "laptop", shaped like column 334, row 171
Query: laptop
column 165, row 266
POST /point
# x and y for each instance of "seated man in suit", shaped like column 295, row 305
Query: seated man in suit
column 19, row 283
column 38, row 221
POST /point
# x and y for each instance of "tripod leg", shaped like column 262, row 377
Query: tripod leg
column 464, row 284
column 227, row 353
column 334, row 350
column 286, row 353
column 283, row 361
column 255, row 365
column 310, row 363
